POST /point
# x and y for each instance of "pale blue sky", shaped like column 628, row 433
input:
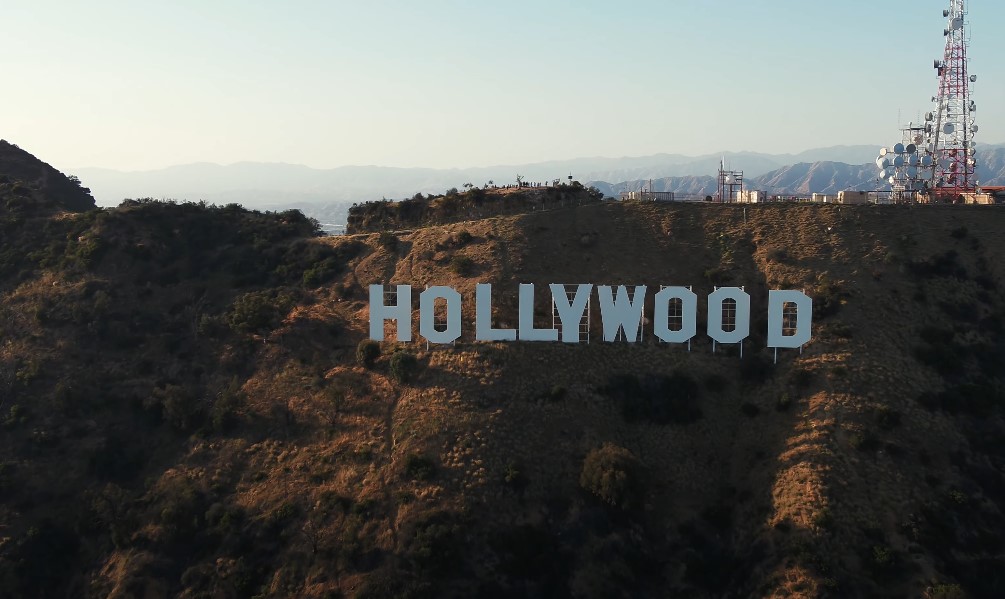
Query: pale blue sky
column 441, row 83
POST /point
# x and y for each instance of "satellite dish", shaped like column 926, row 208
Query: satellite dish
column 898, row 148
column 948, row 128
column 911, row 148
column 926, row 161
column 912, row 172
column 883, row 174
column 956, row 23
column 882, row 162
column 892, row 180
column 974, row 128
column 883, row 151
column 898, row 161
column 912, row 160
column 973, row 78
column 929, row 116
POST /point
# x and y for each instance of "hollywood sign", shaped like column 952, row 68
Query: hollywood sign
column 789, row 314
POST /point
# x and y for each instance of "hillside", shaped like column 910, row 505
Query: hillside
column 454, row 206
column 50, row 189
column 189, row 409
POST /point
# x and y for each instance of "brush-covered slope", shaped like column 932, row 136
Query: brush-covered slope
column 453, row 206
column 49, row 188
column 190, row 411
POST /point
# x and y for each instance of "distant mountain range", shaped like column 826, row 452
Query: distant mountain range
column 803, row 178
column 258, row 185
column 326, row 193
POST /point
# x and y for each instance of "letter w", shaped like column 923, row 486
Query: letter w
column 621, row 313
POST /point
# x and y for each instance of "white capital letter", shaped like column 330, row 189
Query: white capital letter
column 776, row 318
column 427, row 313
column 527, row 330
column 401, row 312
column 570, row 314
column 688, row 312
column 483, row 317
column 621, row 313
column 742, row 320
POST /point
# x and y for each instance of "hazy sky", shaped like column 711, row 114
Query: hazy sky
column 441, row 83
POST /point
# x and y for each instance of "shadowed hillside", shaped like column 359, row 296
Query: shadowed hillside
column 49, row 188
column 190, row 408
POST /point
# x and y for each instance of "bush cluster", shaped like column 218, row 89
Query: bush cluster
column 613, row 474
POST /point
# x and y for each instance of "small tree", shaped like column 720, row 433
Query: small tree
column 613, row 474
column 403, row 366
column 367, row 352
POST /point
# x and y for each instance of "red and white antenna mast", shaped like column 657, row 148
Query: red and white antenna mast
column 950, row 136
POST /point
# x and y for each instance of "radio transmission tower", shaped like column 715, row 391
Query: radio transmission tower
column 936, row 159
column 951, row 136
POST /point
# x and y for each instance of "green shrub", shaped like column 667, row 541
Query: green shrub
column 403, row 366
column 178, row 407
column 224, row 413
column 827, row 297
column 613, row 474
column 514, row 476
column 388, row 241
column 462, row 265
column 881, row 558
column 259, row 311
column 321, row 272
column 824, row 518
column 419, row 467
column 367, row 352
